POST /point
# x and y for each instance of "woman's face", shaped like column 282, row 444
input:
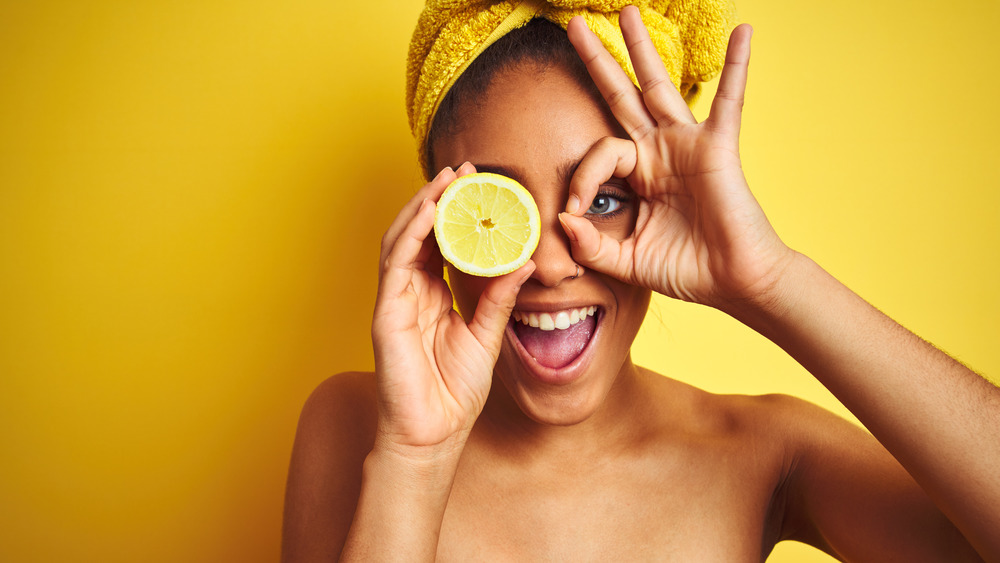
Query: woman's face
column 535, row 126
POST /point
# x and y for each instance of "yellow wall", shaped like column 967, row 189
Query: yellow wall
column 192, row 195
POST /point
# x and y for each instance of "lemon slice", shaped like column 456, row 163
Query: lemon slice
column 486, row 224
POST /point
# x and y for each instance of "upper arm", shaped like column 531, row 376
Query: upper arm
column 335, row 433
column 847, row 495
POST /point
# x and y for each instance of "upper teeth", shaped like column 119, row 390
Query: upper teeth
column 559, row 319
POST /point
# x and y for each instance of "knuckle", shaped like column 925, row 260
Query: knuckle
column 607, row 143
column 616, row 97
column 729, row 96
column 638, row 42
column 386, row 242
column 493, row 300
column 655, row 83
column 641, row 132
column 591, row 58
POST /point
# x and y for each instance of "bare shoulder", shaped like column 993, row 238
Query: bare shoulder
column 793, row 426
column 843, row 492
column 792, row 421
column 335, row 433
column 338, row 419
column 774, row 416
column 820, row 479
column 347, row 399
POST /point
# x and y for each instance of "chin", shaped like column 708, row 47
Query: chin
column 559, row 397
column 565, row 408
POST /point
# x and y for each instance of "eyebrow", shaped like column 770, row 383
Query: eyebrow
column 564, row 171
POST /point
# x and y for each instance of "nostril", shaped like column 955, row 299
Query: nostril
column 553, row 259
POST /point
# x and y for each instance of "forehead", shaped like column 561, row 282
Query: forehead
column 530, row 120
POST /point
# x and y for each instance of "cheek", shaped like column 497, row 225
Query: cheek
column 633, row 302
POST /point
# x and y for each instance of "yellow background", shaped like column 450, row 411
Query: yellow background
column 192, row 196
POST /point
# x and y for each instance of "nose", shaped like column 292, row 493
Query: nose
column 553, row 261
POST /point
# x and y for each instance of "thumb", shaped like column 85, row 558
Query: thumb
column 495, row 306
column 594, row 249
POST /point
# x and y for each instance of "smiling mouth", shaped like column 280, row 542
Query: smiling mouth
column 554, row 339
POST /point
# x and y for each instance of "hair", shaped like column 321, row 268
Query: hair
column 539, row 42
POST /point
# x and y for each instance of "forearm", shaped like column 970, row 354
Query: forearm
column 401, row 506
column 938, row 418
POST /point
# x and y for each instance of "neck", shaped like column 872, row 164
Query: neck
column 504, row 426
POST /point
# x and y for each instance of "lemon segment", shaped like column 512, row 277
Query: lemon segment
column 486, row 224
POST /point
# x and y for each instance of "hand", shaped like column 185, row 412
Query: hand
column 433, row 370
column 700, row 235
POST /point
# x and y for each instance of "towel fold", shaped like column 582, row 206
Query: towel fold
column 690, row 35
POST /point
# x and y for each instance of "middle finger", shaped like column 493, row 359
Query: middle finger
column 615, row 86
column 662, row 99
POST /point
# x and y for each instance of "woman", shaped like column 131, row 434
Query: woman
column 482, row 438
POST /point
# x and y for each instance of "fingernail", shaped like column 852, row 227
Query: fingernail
column 566, row 227
column 572, row 205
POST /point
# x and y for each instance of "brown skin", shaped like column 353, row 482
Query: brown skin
column 721, row 479
column 548, row 104
column 620, row 463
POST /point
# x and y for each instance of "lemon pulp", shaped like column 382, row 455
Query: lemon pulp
column 486, row 224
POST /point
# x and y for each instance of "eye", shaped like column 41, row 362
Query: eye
column 604, row 204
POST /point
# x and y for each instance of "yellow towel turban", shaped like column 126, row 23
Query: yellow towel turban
column 690, row 35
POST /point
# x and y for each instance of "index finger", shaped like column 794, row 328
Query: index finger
column 431, row 190
column 609, row 157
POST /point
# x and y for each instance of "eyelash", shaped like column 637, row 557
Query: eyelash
column 623, row 198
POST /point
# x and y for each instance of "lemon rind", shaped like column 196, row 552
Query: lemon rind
column 534, row 223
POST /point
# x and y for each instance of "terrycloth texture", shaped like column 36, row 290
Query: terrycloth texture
column 690, row 35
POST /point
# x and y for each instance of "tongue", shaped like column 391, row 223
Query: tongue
column 556, row 348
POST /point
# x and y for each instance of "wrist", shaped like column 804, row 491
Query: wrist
column 404, row 494
column 424, row 467
column 775, row 297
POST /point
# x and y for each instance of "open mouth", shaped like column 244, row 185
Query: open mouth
column 554, row 339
